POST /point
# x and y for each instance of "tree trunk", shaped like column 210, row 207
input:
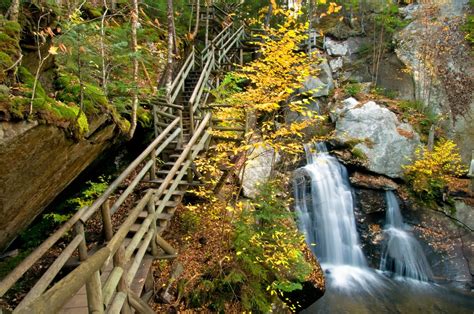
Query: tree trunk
column 133, row 124
column 102, row 47
column 196, row 26
column 14, row 11
column 171, row 32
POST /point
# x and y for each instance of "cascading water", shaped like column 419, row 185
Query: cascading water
column 326, row 216
column 324, row 204
column 402, row 254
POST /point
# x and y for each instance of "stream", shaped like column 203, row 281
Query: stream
column 403, row 284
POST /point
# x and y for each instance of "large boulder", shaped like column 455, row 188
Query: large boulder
column 376, row 132
column 343, row 48
column 320, row 85
column 38, row 161
column 257, row 169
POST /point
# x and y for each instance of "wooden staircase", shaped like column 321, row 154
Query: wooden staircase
column 115, row 277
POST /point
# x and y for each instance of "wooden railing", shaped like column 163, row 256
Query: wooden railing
column 113, row 293
column 116, row 288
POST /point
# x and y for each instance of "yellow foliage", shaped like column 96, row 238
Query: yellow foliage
column 432, row 171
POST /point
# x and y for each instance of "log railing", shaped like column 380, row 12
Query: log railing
column 123, row 260
column 112, row 292
column 83, row 215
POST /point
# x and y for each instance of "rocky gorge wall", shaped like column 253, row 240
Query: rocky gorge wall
column 37, row 162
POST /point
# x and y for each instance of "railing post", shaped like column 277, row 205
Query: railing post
column 181, row 135
column 153, row 166
column 93, row 284
column 151, row 212
column 191, row 119
column 107, row 220
column 119, row 260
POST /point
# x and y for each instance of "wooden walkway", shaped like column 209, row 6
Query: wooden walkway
column 116, row 277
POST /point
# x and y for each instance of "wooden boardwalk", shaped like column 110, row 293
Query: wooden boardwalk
column 114, row 278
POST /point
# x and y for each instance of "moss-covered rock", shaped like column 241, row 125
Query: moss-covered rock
column 9, row 47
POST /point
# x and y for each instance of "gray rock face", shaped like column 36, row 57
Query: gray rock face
column 336, row 64
column 443, row 76
column 342, row 48
column 38, row 162
column 257, row 170
column 385, row 141
column 320, row 85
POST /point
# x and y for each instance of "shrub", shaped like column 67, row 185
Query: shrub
column 431, row 171
column 352, row 89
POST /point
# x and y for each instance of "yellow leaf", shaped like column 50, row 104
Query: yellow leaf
column 53, row 50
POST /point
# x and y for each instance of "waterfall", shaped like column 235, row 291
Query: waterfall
column 326, row 211
column 402, row 254
column 324, row 204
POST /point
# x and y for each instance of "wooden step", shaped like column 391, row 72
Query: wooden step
column 142, row 274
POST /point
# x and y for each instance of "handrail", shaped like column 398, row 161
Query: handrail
column 216, row 39
column 93, row 208
column 55, row 298
column 31, row 259
column 178, row 83
column 204, row 74
column 230, row 43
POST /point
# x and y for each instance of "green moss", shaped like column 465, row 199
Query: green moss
column 12, row 29
column 144, row 117
column 94, row 97
column 5, row 61
column 358, row 154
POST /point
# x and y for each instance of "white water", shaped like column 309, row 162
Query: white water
column 325, row 208
column 402, row 254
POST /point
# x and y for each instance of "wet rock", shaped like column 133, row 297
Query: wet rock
column 364, row 180
column 376, row 133
column 447, row 244
column 370, row 201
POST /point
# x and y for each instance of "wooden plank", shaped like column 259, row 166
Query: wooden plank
column 145, row 225
column 142, row 274
column 138, row 258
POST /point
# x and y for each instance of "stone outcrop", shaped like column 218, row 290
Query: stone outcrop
column 319, row 85
column 38, row 161
column 433, row 48
column 376, row 132
column 257, row 170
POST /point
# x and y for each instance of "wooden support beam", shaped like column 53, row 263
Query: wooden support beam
column 165, row 246
column 138, row 304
